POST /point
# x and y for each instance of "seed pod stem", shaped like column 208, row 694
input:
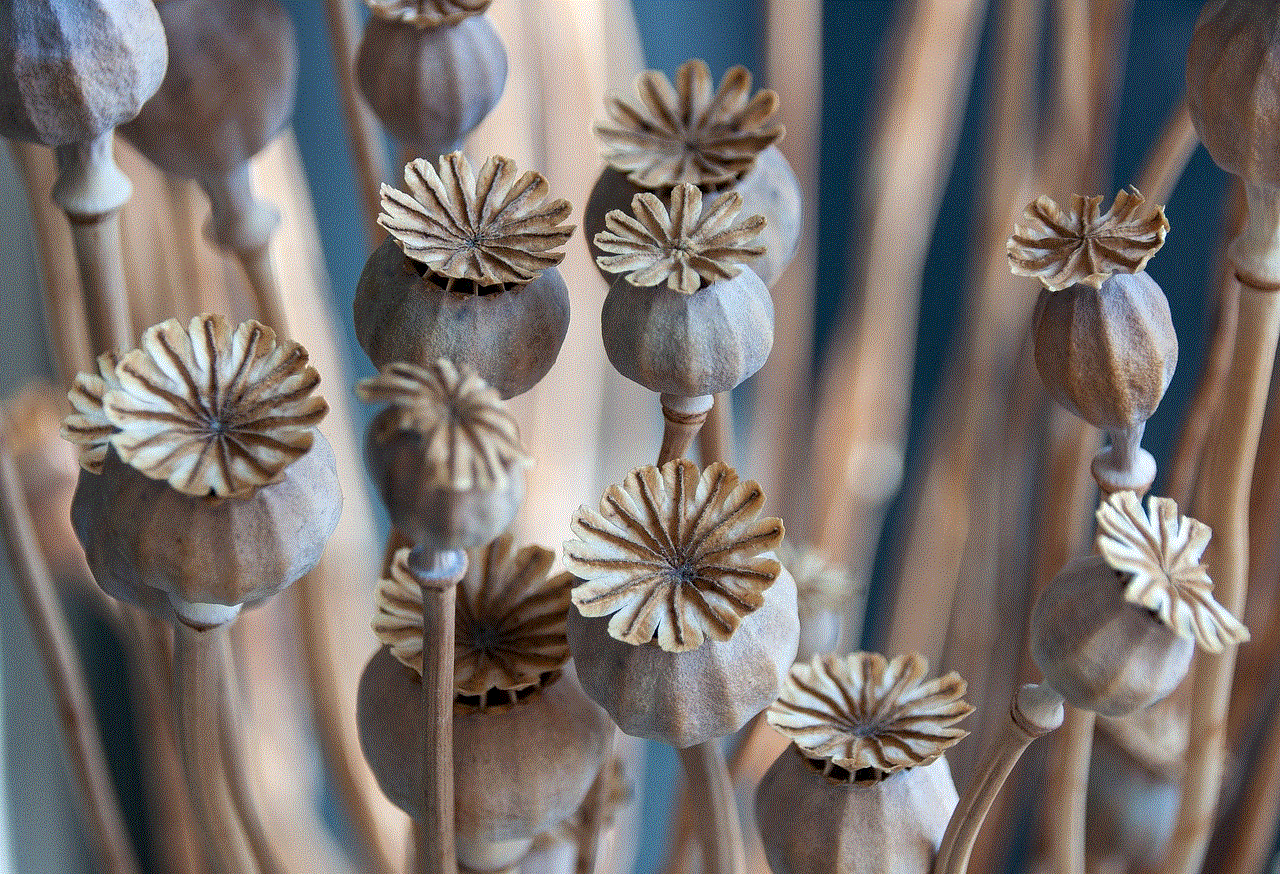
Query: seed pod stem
column 707, row 777
column 682, row 419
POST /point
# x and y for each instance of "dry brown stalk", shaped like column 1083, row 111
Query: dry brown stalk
column 99, row 807
column 716, row 440
column 859, row 425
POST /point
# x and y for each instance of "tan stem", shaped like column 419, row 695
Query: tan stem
column 1224, row 505
column 438, row 572
column 235, row 766
column 682, row 417
column 588, row 854
column 1168, row 156
column 199, row 657
column 99, row 806
column 367, row 145
column 711, row 791
column 1254, row 830
column 1036, row 711
column 715, row 439
column 1069, row 782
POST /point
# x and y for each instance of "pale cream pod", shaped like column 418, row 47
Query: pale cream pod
column 863, row 787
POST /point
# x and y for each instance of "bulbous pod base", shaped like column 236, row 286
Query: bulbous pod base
column 1097, row 650
column 148, row 543
column 76, row 68
column 685, row 698
column 434, row 516
column 511, row 338
column 233, row 69
column 812, row 825
column 430, row 87
column 689, row 344
column 769, row 189
column 1233, row 70
column 516, row 772
column 1107, row 354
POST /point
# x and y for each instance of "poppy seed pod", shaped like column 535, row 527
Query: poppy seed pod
column 684, row 318
column 75, row 69
column 863, row 788
column 430, row 86
column 468, row 273
column 719, row 139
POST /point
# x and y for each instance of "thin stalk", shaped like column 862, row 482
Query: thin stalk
column 589, row 839
column 682, row 418
column 200, row 655
column 363, row 129
column 1254, row 829
column 1036, row 711
column 715, row 439
column 1224, row 506
column 1065, row 833
column 707, row 776
column 99, row 807
column 438, row 572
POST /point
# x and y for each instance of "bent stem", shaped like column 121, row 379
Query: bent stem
column 437, row 572
column 711, row 790
column 1036, row 711
column 1224, row 493
column 199, row 657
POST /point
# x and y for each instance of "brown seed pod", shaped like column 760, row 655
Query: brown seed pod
column 75, row 69
column 216, row 490
column 445, row 455
column 1235, row 50
column 863, row 787
column 430, row 86
column 686, row 133
column 468, row 273
column 708, row 325
column 233, row 67
column 527, row 743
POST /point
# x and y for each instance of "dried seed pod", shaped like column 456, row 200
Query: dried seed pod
column 1115, row 632
column 445, row 455
column 527, row 744
column 431, row 75
column 468, row 273
column 1104, row 340
column 684, row 623
column 823, row 589
column 708, row 325
column 713, row 140
column 216, row 491
column 863, row 787
column 75, row 69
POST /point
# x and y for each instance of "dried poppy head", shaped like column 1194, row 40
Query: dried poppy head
column 685, row 318
column 468, row 272
column 445, row 454
column 216, row 490
column 1145, row 597
column 864, row 786
column 427, row 13
column 690, row 619
column 526, row 747
column 823, row 590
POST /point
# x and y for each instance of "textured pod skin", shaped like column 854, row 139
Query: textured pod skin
column 688, row 344
column 1108, row 354
column 144, row 539
column 430, row 87
column 233, row 68
column 511, row 338
column 74, row 69
column 769, row 189
column 1097, row 650
column 685, row 698
column 433, row 516
column 517, row 772
column 811, row 825
column 1233, row 87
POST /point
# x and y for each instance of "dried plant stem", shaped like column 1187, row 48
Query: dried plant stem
column 682, row 418
column 715, row 439
column 100, row 809
column 438, row 572
column 244, row 225
column 200, row 657
column 1254, row 829
column 362, row 126
column 1036, row 711
column 1168, row 156
column 588, row 850
column 1065, row 833
column 711, row 790
column 1224, row 506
